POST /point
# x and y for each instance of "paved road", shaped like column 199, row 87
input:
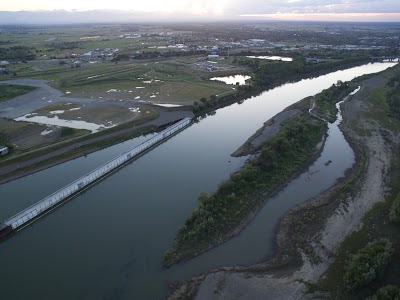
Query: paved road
column 34, row 100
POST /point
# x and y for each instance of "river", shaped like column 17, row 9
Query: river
column 108, row 242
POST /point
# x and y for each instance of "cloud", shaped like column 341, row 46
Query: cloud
column 191, row 10
column 313, row 6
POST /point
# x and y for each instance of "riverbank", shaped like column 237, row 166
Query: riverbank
column 281, row 156
column 274, row 75
column 310, row 234
column 192, row 241
column 45, row 157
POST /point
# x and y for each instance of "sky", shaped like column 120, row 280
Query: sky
column 339, row 10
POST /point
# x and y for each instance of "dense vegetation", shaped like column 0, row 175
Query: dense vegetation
column 326, row 101
column 376, row 224
column 66, row 45
column 8, row 92
column 66, row 131
column 246, row 190
column 389, row 292
column 393, row 95
column 3, row 139
column 17, row 53
column 394, row 215
column 274, row 74
column 367, row 264
column 166, row 54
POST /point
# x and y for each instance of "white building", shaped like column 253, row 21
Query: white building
column 3, row 151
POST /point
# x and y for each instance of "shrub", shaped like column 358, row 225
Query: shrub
column 394, row 214
column 66, row 131
column 389, row 292
column 167, row 255
column 367, row 264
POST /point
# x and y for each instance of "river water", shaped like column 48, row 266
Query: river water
column 108, row 242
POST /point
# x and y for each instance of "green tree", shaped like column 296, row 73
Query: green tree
column 213, row 98
column 367, row 264
column 394, row 214
column 389, row 292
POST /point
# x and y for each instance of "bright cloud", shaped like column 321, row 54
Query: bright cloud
column 318, row 6
column 199, row 7
column 378, row 9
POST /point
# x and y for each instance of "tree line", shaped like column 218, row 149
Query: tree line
column 279, row 158
column 17, row 53
column 271, row 75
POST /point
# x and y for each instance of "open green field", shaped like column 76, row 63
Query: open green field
column 164, row 81
column 23, row 136
column 8, row 92
column 46, row 40
column 174, row 80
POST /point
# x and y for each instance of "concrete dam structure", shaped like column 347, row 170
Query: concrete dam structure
column 40, row 208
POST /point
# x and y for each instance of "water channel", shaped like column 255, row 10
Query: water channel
column 233, row 79
column 108, row 242
column 272, row 58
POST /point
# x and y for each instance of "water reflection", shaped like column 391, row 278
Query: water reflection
column 279, row 58
column 234, row 79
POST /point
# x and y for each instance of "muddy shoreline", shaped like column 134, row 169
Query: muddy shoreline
column 252, row 214
column 244, row 150
column 287, row 273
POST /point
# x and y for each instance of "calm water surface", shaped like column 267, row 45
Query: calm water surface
column 108, row 242
column 272, row 58
column 234, row 79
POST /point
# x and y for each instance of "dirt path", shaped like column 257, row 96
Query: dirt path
column 346, row 216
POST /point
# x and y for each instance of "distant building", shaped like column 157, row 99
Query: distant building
column 213, row 56
column 88, row 55
column 257, row 41
column 4, row 63
column 313, row 60
column 3, row 150
column 212, row 68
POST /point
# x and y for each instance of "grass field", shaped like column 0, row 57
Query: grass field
column 177, row 79
column 164, row 81
column 23, row 136
column 8, row 92
column 106, row 114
